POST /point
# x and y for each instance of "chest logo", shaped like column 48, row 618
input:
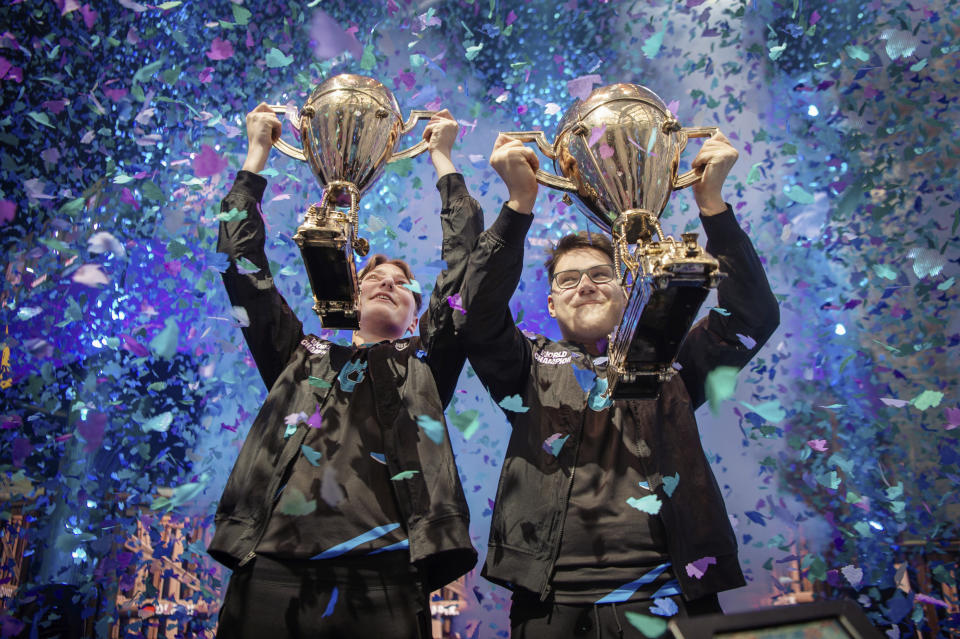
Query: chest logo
column 315, row 345
column 553, row 358
column 401, row 346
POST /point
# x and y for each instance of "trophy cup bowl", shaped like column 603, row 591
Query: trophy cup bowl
column 618, row 153
column 350, row 127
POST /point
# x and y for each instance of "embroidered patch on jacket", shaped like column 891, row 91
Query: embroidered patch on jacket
column 351, row 375
column 401, row 346
column 553, row 357
column 315, row 345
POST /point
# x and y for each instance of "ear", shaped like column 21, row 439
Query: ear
column 413, row 325
column 550, row 307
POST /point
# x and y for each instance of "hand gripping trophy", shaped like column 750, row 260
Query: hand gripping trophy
column 350, row 127
column 618, row 153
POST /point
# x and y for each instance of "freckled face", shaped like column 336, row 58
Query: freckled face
column 386, row 306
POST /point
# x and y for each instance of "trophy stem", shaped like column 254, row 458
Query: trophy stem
column 360, row 245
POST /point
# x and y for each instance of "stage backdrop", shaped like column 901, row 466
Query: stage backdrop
column 127, row 387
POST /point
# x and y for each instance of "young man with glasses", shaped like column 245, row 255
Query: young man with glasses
column 344, row 508
column 605, row 508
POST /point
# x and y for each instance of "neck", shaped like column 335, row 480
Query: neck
column 595, row 347
column 372, row 337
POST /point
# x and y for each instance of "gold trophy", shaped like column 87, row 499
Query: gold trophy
column 350, row 127
column 618, row 153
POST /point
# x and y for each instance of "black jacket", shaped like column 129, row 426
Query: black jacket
column 534, row 488
column 410, row 377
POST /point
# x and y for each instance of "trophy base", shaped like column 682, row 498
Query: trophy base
column 328, row 256
column 673, row 281
column 640, row 385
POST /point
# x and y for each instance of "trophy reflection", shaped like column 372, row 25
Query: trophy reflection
column 618, row 152
column 350, row 127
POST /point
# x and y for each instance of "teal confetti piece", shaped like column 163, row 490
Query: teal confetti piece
column 927, row 399
column 770, row 411
column 295, row 503
column 651, row 627
column 431, row 428
column 554, row 443
column 514, row 404
column 720, row 385
column 885, row 271
column 649, row 504
column 159, row 424
column 318, row 382
column 598, row 400
column 857, row 52
column 406, row 474
column 797, row 194
column 670, row 483
column 164, row 344
column 651, row 47
column 467, row 422
column 313, row 456
column 276, row 60
column 414, row 286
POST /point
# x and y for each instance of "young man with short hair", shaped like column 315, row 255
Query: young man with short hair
column 605, row 508
column 344, row 508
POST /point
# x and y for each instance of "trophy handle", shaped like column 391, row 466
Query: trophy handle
column 415, row 116
column 543, row 177
column 282, row 146
column 692, row 176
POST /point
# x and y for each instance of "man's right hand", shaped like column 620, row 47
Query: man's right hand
column 517, row 165
column 263, row 129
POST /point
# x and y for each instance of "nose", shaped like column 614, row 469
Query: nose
column 585, row 286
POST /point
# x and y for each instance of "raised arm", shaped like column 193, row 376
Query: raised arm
column 274, row 331
column 498, row 351
column 461, row 220
column 750, row 314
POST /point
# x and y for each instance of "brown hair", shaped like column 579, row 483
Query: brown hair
column 378, row 259
column 574, row 241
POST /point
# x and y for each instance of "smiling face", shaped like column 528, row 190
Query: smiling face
column 588, row 312
column 387, row 308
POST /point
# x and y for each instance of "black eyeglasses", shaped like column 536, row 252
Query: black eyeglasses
column 599, row 274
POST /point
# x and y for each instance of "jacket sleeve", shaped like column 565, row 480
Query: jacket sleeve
column 498, row 351
column 461, row 219
column 274, row 331
column 749, row 309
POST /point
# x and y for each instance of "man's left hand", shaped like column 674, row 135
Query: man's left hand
column 716, row 157
column 440, row 134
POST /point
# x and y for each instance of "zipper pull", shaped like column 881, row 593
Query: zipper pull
column 246, row 560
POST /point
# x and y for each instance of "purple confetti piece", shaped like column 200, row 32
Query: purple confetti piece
column 315, row 420
column 819, row 445
column 554, row 443
column 8, row 210
column 90, row 275
column 698, row 568
column 91, row 430
column 747, row 341
column 208, row 162
column 953, row 418
column 581, row 87
column 596, row 133
column 330, row 38
column 220, row 49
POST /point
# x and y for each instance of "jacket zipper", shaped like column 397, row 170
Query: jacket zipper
column 273, row 502
column 545, row 591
